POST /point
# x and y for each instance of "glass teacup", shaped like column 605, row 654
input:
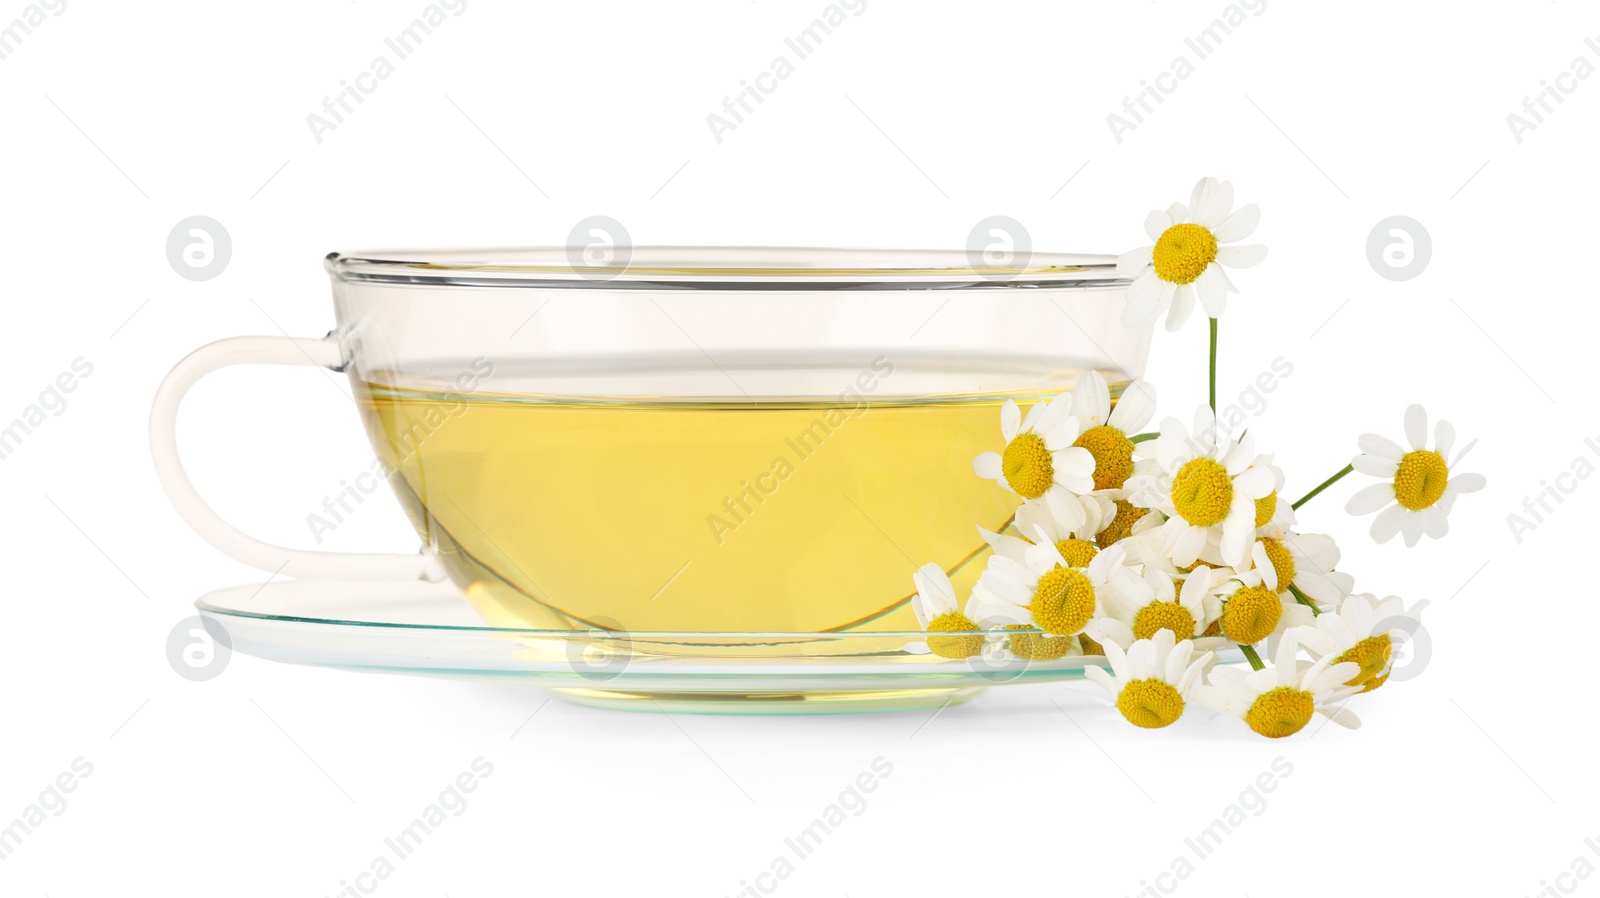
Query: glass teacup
column 685, row 439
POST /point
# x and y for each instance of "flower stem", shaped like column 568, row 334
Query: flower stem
column 1304, row 600
column 1322, row 486
column 1141, row 437
column 1250, row 650
column 1214, row 369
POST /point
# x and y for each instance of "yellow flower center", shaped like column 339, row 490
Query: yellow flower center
column 1266, row 507
column 954, row 646
column 1280, row 712
column 1213, row 629
column 1202, row 492
column 1037, row 646
column 1113, row 455
column 1127, row 515
column 1151, row 704
column 1158, row 616
column 1373, row 654
column 1089, row 646
column 1421, row 479
column 1282, row 562
column 1251, row 614
column 1183, row 252
column 1077, row 552
column 1027, row 466
column 1063, row 603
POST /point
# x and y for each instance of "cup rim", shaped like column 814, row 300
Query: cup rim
column 722, row 267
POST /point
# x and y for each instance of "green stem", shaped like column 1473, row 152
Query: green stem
column 1141, row 437
column 1304, row 600
column 1322, row 486
column 1250, row 650
column 1214, row 370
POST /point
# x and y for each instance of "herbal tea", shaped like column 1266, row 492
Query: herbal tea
column 700, row 516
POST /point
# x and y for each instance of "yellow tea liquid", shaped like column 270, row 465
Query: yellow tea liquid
column 699, row 516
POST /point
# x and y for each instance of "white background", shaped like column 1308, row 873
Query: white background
column 909, row 124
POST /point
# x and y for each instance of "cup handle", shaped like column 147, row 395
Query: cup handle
column 205, row 521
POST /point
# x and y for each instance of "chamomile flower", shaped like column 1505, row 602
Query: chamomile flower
column 1106, row 430
column 1419, row 486
column 1039, row 454
column 1044, row 591
column 1161, row 601
column 1364, row 631
column 1272, row 517
column 1153, row 679
column 1248, row 611
column 1188, row 256
column 1127, row 519
column 1280, row 700
column 1304, row 561
column 1207, row 487
column 1069, row 521
column 937, row 611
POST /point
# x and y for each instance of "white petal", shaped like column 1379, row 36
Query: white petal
column 1213, row 290
column 1444, row 437
column 1182, row 306
column 1073, row 461
column 1099, row 677
column 1417, row 426
column 1241, row 224
column 1109, row 631
column 1030, row 421
column 1375, row 466
column 1435, row 523
column 1411, row 528
column 1379, row 445
column 1467, row 483
column 1135, row 261
column 1156, row 224
column 1247, row 256
column 1057, row 426
column 938, row 595
column 987, row 466
column 1141, row 660
column 1135, row 407
column 1144, row 294
column 1256, row 483
column 1091, row 398
column 1370, row 499
column 1210, row 203
column 1387, row 523
column 1010, row 420
column 1269, row 571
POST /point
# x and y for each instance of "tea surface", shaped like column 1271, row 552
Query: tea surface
column 725, row 516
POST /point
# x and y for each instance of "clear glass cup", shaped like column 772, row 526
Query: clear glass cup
column 686, row 439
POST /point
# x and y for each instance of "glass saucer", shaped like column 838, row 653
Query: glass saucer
column 429, row 629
